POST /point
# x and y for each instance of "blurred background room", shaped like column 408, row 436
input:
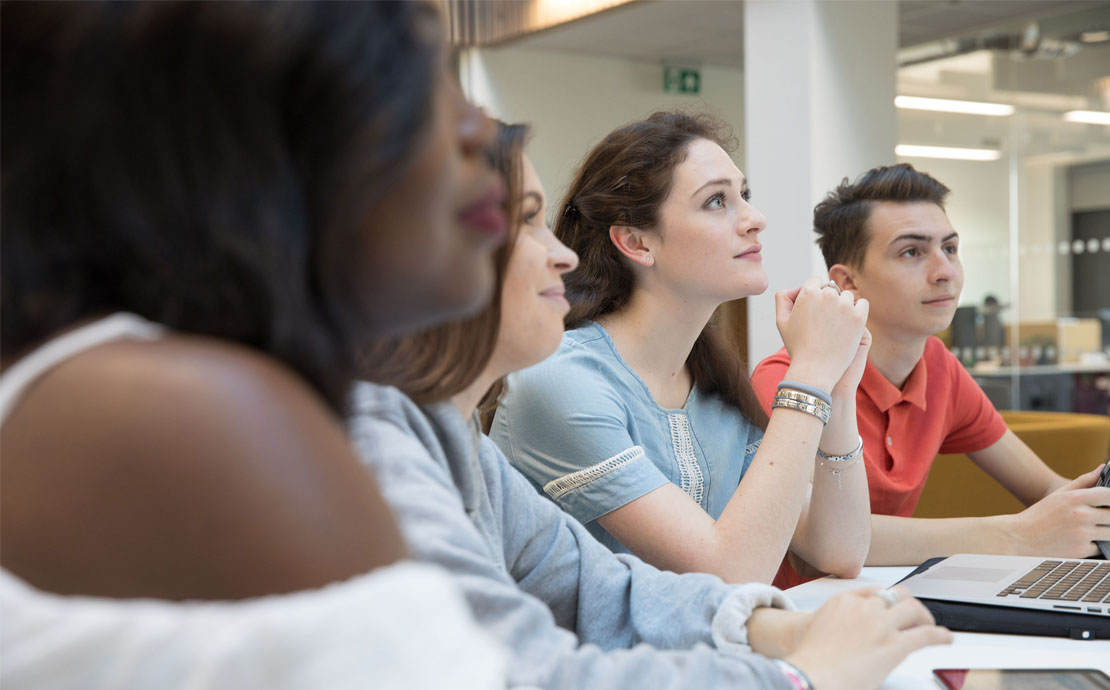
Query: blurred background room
column 1005, row 101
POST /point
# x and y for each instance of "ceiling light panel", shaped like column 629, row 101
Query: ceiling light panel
column 945, row 105
column 914, row 151
column 1090, row 117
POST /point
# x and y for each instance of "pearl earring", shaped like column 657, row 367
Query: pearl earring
column 649, row 259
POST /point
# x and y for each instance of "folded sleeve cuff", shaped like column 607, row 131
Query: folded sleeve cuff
column 730, row 623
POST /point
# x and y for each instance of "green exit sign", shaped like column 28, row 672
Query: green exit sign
column 681, row 80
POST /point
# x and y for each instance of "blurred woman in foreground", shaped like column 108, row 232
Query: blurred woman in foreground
column 207, row 208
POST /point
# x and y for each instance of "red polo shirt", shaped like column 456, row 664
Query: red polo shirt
column 940, row 409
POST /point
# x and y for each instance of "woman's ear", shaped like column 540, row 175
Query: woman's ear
column 844, row 276
column 630, row 242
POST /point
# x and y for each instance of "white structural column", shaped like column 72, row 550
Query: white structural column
column 819, row 87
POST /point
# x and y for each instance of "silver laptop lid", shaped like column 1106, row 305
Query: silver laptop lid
column 1028, row 582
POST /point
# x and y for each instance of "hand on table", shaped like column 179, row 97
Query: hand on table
column 856, row 639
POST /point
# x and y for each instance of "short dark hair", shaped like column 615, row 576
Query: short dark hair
column 840, row 221
column 205, row 165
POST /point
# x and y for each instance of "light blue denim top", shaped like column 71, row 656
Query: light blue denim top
column 585, row 430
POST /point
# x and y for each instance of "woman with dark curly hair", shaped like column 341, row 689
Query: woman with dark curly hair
column 207, row 208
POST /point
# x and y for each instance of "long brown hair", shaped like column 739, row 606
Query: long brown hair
column 624, row 181
column 438, row 363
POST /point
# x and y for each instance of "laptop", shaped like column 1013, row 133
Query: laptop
column 1016, row 594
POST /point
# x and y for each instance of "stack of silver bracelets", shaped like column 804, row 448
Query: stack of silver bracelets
column 812, row 400
column 804, row 398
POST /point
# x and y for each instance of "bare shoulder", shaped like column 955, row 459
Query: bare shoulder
column 184, row 468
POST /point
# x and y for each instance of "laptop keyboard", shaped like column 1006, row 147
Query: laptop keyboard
column 1060, row 580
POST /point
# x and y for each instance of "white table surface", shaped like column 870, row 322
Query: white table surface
column 969, row 650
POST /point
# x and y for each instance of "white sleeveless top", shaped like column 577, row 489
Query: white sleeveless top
column 405, row 626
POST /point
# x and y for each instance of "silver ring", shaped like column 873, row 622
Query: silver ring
column 889, row 597
column 831, row 284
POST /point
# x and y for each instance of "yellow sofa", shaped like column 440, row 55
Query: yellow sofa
column 1070, row 443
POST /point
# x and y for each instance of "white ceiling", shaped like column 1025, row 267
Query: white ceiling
column 920, row 21
column 711, row 31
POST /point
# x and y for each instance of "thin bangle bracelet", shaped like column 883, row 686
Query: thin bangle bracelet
column 806, row 388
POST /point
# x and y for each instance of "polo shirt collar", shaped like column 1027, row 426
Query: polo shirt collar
column 884, row 393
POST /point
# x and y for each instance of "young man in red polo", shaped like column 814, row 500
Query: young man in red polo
column 886, row 237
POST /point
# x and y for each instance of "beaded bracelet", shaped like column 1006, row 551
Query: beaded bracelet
column 836, row 463
column 842, row 458
column 803, row 402
column 797, row 677
column 806, row 388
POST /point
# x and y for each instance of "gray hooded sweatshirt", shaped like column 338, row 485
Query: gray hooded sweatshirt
column 573, row 614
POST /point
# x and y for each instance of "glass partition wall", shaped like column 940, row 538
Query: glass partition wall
column 1021, row 134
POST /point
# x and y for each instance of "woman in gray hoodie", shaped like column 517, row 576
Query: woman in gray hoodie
column 574, row 614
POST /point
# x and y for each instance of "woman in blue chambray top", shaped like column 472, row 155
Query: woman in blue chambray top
column 612, row 408
column 643, row 424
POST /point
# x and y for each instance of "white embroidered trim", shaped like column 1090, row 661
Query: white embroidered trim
column 693, row 483
column 752, row 448
column 557, row 488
